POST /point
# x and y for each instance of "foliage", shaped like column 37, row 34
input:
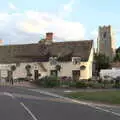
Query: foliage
column 13, row 68
column 28, row 67
column 102, row 62
column 81, row 84
column 118, row 50
column 21, row 79
column 95, row 85
column 29, row 74
column 72, row 84
column 117, row 57
column 117, row 82
column 58, row 67
column 50, row 81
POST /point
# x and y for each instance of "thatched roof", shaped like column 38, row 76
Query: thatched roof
column 41, row 52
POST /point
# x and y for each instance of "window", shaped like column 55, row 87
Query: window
column 76, row 60
column 104, row 35
column 53, row 60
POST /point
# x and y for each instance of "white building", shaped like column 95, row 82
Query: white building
column 73, row 58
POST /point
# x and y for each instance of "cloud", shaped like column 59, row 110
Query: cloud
column 12, row 6
column 27, row 27
column 94, row 35
column 66, row 9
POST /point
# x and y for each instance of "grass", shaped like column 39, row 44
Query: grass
column 110, row 97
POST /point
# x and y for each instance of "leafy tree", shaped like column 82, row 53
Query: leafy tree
column 117, row 56
column 118, row 50
column 101, row 62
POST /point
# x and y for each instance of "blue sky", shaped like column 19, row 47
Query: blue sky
column 63, row 17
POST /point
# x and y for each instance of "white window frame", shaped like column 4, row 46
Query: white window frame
column 76, row 60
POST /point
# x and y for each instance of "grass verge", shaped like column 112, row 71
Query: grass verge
column 110, row 97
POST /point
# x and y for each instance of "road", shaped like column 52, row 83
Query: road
column 24, row 104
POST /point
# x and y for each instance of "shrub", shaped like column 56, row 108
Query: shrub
column 72, row 84
column 29, row 74
column 117, row 84
column 51, row 81
column 95, row 85
column 21, row 79
column 81, row 84
column 27, row 67
column 46, row 81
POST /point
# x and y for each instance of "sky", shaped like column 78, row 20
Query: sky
column 27, row 21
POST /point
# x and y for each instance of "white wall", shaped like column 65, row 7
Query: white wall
column 66, row 68
column 110, row 72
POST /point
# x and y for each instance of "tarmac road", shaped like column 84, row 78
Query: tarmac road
column 23, row 104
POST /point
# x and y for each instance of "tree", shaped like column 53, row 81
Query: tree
column 117, row 56
column 101, row 62
column 118, row 50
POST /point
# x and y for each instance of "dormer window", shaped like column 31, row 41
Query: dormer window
column 53, row 60
column 76, row 60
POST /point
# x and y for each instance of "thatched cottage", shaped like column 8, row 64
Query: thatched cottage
column 73, row 59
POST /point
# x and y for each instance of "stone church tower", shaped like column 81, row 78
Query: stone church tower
column 106, row 41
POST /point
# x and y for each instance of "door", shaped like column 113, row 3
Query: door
column 36, row 74
column 76, row 75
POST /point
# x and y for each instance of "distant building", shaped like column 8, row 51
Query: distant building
column 75, row 58
column 106, row 41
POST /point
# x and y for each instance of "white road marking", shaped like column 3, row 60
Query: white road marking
column 30, row 113
column 114, row 113
column 8, row 94
column 97, row 108
column 92, row 105
column 68, row 91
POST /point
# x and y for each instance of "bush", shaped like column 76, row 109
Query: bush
column 117, row 84
column 81, row 84
column 21, row 79
column 95, row 85
column 72, row 84
column 50, row 81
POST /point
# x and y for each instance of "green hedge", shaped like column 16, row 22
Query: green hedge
column 81, row 84
column 50, row 81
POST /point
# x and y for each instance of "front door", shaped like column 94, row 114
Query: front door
column 76, row 75
column 36, row 75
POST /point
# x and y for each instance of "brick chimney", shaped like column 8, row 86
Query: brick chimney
column 49, row 37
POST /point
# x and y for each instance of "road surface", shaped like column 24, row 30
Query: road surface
column 24, row 104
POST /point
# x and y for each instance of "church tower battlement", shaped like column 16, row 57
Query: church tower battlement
column 106, row 41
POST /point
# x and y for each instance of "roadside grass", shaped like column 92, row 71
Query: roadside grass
column 108, row 97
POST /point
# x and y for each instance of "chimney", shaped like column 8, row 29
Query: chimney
column 49, row 36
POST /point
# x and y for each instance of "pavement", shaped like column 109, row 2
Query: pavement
column 25, row 103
